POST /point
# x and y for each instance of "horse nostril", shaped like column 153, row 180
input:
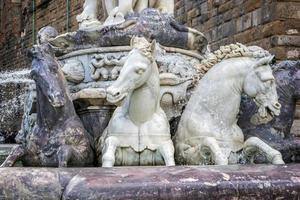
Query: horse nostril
column 117, row 94
column 50, row 97
column 277, row 105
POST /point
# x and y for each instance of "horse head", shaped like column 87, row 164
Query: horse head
column 135, row 71
column 260, row 85
column 47, row 75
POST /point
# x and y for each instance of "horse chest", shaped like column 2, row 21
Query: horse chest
column 143, row 136
column 143, row 104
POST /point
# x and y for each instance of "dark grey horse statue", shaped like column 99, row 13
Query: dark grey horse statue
column 58, row 138
column 277, row 132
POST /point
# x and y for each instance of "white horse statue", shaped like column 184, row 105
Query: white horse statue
column 138, row 132
column 208, row 132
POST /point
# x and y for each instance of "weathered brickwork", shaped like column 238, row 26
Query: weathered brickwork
column 271, row 24
column 17, row 17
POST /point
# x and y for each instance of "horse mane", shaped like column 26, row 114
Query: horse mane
column 225, row 52
column 143, row 46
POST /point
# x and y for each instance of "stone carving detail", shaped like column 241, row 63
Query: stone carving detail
column 74, row 71
column 146, row 140
column 277, row 132
column 148, row 24
column 45, row 34
column 100, row 65
column 177, row 67
column 58, row 137
column 207, row 132
column 88, row 18
column 117, row 10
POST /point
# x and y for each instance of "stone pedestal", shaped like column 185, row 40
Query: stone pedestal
column 96, row 118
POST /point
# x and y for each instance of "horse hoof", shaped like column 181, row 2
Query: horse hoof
column 171, row 164
column 221, row 161
column 5, row 165
column 107, row 165
column 63, row 164
column 277, row 160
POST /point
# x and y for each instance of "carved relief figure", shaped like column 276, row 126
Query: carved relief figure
column 208, row 132
column 138, row 132
column 116, row 10
column 129, row 6
column 58, row 138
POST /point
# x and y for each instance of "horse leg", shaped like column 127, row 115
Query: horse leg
column 109, row 157
column 167, row 152
column 64, row 155
column 254, row 145
column 140, row 5
column 217, row 155
column 16, row 153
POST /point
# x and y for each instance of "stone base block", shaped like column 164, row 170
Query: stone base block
column 180, row 182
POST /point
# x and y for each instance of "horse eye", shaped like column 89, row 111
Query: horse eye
column 54, row 69
column 140, row 71
column 33, row 73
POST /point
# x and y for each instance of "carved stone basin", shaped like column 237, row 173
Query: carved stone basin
column 91, row 71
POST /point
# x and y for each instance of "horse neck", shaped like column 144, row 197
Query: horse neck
column 286, row 92
column 48, row 116
column 221, row 88
column 144, row 101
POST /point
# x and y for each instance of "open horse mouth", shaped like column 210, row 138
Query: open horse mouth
column 271, row 109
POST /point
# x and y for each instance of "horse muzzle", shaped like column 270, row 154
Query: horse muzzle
column 274, row 108
column 114, row 96
column 269, row 109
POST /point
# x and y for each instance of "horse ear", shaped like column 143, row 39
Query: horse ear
column 154, row 48
column 263, row 61
column 153, row 45
column 132, row 41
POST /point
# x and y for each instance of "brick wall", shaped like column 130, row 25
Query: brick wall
column 271, row 24
column 16, row 32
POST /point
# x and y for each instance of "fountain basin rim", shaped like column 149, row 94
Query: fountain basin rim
column 179, row 182
column 115, row 49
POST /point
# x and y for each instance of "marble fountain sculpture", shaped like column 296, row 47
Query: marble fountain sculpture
column 127, row 92
column 150, row 74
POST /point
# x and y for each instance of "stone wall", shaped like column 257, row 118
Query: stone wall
column 18, row 31
column 271, row 24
